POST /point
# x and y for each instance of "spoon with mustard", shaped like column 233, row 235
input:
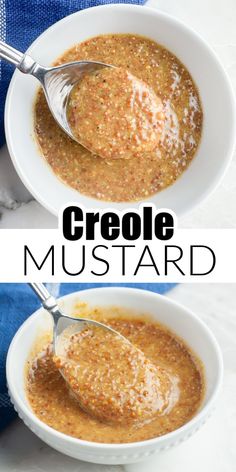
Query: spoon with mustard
column 104, row 108
column 63, row 322
column 57, row 82
column 110, row 378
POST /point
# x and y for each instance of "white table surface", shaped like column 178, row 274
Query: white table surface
column 215, row 20
column 212, row 449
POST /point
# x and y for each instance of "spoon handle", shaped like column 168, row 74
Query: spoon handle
column 10, row 54
column 48, row 301
column 23, row 62
column 41, row 291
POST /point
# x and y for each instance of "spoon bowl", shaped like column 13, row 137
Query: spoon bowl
column 63, row 322
column 57, row 82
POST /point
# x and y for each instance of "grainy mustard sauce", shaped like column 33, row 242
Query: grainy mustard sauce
column 112, row 379
column 115, row 115
column 139, row 177
column 53, row 403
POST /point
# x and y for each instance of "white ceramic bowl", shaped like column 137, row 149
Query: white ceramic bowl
column 219, row 129
column 184, row 323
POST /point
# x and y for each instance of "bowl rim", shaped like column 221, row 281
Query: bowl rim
column 231, row 145
column 198, row 419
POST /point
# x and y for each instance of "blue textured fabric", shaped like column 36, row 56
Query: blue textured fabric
column 21, row 21
column 17, row 302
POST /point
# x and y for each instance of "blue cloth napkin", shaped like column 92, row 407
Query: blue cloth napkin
column 17, row 302
column 21, row 21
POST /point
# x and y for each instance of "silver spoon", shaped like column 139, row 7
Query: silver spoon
column 61, row 335
column 62, row 322
column 57, row 82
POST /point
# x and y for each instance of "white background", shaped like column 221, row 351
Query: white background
column 215, row 20
column 222, row 242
